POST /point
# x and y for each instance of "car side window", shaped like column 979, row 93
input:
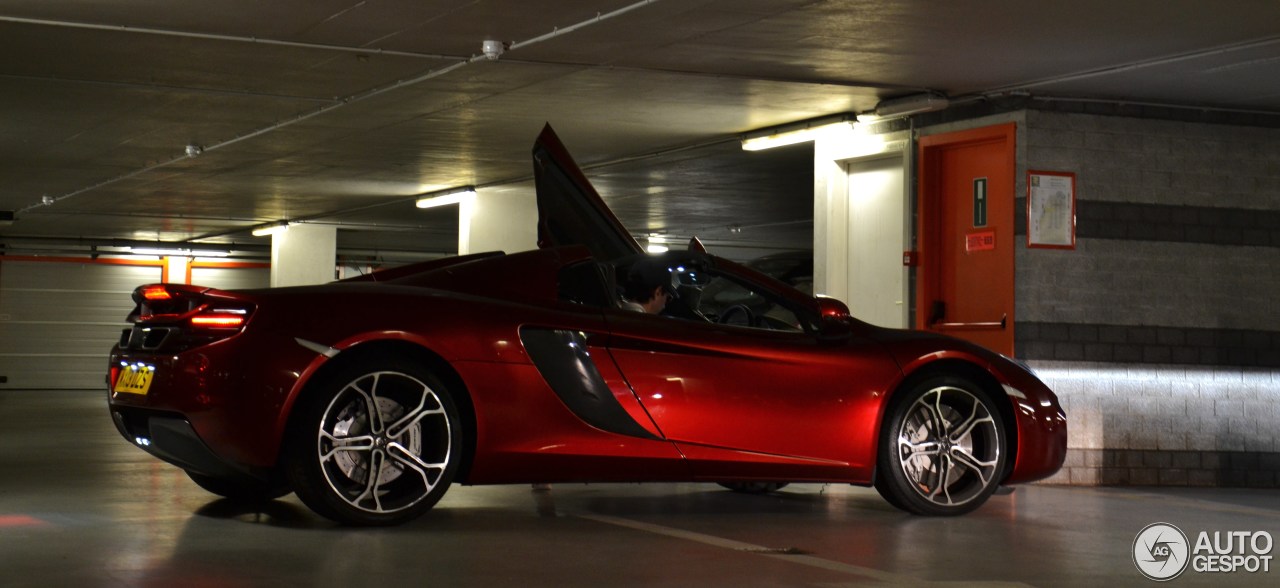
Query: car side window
column 726, row 300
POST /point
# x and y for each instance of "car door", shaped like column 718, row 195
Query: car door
column 743, row 400
column 570, row 211
column 739, row 401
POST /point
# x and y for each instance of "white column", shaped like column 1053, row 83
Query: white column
column 175, row 268
column 498, row 220
column 303, row 255
column 859, row 259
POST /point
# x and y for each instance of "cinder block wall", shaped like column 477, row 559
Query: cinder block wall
column 1161, row 330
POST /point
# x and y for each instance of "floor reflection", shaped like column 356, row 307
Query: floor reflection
column 88, row 509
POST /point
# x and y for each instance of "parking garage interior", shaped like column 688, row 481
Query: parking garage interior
column 249, row 145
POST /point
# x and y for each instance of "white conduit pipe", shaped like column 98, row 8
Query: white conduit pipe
column 215, row 37
column 339, row 103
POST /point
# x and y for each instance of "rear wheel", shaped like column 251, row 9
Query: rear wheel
column 244, row 489
column 377, row 444
column 942, row 448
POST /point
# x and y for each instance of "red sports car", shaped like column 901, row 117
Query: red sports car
column 369, row 398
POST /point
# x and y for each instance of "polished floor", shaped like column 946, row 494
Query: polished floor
column 81, row 507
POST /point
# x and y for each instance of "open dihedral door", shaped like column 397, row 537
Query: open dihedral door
column 570, row 211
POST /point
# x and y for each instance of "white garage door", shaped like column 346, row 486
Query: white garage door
column 231, row 278
column 59, row 320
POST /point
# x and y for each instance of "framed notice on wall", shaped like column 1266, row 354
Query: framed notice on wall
column 1051, row 209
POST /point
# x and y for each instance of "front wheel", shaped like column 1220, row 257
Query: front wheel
column 378, row 444
column 942, row 448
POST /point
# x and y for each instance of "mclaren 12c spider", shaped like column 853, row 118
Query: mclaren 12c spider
column 369, row 398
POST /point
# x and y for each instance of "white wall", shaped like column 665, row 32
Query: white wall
column 498, row 220
column 304, row 255
column 861, row 219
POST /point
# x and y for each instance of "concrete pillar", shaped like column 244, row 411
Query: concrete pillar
column 303, row 255
column 176, row 269
column 498, row 220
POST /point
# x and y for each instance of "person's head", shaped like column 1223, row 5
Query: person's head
column 649, row 284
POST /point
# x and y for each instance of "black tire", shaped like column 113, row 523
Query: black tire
column 244, row 489
column 754, row 487
column 389, row 412
column 942, row 448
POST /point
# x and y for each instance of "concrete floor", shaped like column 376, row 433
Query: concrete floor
column 81, row 507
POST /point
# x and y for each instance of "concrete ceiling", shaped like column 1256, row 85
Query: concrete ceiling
column 340, row 111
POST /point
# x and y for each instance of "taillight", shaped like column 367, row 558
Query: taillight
column 155, row 292
column 176, row 317
column 219, row 318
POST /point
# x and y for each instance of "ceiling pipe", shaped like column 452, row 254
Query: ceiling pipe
column 1140, row 64
column 227, row 38
column 46, row 246
column 340, row 103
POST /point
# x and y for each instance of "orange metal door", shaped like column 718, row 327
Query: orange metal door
column 965, row 285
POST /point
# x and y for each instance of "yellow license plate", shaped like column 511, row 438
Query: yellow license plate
column 134, row 379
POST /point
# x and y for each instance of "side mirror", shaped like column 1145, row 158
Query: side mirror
column 834, row 319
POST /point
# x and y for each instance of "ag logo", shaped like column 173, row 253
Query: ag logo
column 1161, row 551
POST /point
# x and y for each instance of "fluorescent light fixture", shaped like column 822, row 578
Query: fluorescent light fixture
column 792, row 134
column 163, row 251
column 271, row 229
column 178, row 252
column 446, row 197
column 657, row 244
column 913, row 104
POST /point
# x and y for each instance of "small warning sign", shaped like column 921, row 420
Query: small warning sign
column 984, row 241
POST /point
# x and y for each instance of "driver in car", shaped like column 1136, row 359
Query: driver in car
column 648, row 287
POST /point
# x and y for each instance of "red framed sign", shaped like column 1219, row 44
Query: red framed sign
column 1051, row 209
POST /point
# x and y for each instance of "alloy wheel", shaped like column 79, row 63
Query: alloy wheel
column 948, row 446
column 384, row 443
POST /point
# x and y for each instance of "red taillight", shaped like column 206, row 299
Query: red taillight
column 172, row 318
column 218, row 320
column 156, row 292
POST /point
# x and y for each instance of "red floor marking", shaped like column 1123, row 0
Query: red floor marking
column 20, row 521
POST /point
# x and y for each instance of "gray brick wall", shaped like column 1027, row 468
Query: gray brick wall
column 1150, row 283
column 1159, row 331
column 1167, row 424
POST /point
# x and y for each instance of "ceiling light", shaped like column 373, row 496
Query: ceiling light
column 445, row 197
column 913, row 104
column 798, row 133
column 210, row 253
column 271, row 229
column 162, row 251
column 178, row 252
column 657, row 243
